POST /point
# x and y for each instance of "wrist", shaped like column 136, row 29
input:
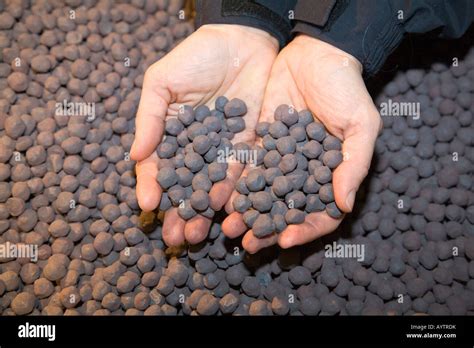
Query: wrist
column 244, row 34
column 321, row 50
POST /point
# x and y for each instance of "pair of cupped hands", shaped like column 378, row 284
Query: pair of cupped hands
column 244, row 62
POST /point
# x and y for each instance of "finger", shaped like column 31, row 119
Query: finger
column 315, row 226
column 253, row 244
column 233, row 225
column 173, row 228
column 281, row 89
column 196, row 229
column 229, row 206
column 149, row 122
column 222, row 190
column 357, row 149
column 148, row 190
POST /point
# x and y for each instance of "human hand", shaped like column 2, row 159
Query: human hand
column 229, row 60
column 311, row 74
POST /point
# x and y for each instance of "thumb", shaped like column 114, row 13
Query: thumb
column 357, row 150
column 149, row 122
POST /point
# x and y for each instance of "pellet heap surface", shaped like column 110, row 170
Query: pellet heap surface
column 68, row 186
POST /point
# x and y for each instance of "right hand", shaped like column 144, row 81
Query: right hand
column 220, row 59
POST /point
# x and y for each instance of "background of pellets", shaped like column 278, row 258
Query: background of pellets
column 98, row 257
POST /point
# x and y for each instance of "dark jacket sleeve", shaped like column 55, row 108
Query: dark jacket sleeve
column 371, row 29
column 269, row 15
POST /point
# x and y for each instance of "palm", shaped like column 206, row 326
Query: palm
column 329, row 85
column 328, row 82
column 211, row 62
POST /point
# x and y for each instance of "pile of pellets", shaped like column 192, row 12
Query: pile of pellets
column 68, row 186
column 195, row 152
column 293, row 174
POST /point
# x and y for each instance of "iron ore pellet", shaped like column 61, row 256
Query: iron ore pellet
column 332, row 158
column 184, row 176
column 286, row 145
column 235, row 124
column 295, row 199
column 167, row 177
column 263, row 226
column 234, row 107
column 294, row 216
column 268, row 142
column 316, row 131
column 199, row 200
column 261, row 201
column 217, row 171
column 288, row 163
column 281, row 186
column 322, row 174
column 186, row 115
column 249, row 217
column 193, row 161
column 262, row 129
column 312, row 149
column 185, row 210
column 201, row 181
column 220, row 103
column 279, row 221
column 333, row 211
column 288, row 116
column 326, row 193
column 201, row 144
column 242, row 203
column 255, row 180
column 331, row 143
column 278, row 130
column 279, row 208
column 208, row 305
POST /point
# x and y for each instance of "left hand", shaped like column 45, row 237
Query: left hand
column 311, row 74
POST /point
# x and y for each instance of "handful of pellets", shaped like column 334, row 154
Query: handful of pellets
column 193, row 154
column 293, row 174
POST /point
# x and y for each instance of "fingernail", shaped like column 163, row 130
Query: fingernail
column 350, row 199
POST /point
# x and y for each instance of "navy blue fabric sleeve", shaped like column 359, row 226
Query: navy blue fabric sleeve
column 273, row 16
column 371, row 29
